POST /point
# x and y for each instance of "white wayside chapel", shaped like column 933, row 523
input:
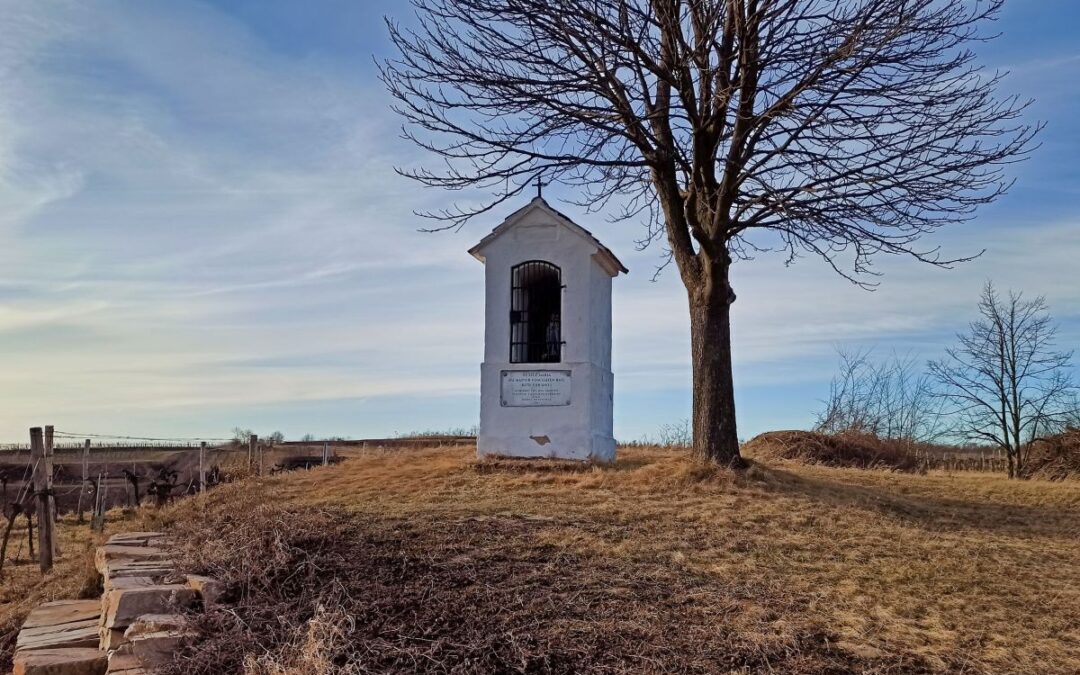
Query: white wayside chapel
column 546, row 384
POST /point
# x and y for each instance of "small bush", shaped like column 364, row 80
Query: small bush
column 850, row 449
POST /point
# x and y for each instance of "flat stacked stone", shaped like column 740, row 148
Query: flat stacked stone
column 135, row 626
column 134, row 566
column 70, row 661
column 54, row 625
column 125, row 664
column 61, row 638
column 123, row 606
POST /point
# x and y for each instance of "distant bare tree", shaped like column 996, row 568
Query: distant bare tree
column 676, row 434
column 1005, row 381
column 838, row 128
column 242, row 436
column 1071, row 418
column 889, row 398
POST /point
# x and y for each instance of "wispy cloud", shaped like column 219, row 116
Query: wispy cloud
column 198, row 222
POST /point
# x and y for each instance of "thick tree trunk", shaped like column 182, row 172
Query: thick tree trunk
column 715, row 435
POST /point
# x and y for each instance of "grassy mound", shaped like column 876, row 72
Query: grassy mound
column 1055, row 458
column 861, row 451
column 319, row 591
column 434, row 562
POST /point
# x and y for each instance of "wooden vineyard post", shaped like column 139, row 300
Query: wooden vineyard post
column 54, row 514
column 202, row 467
column 49, row 467
column 97, row 517
column 43, row 490
column 253, row 444
column 85, row 475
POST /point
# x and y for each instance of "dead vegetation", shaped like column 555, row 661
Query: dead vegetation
column 846, row 449
column 433, row 562
column 1054, row 458
column 333, row 594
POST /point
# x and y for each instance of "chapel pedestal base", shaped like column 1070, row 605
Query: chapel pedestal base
column 580, row 431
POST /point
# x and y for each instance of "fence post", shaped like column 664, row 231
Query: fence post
column 97, row 518
column 49, row 466
column 202, row 467
column 253, row 443
column 85, row 475
column 42, row 488
column 325, row 453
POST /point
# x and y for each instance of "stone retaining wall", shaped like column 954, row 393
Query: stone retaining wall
column 135, row 626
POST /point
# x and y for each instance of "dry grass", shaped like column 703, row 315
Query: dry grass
column 431, row 561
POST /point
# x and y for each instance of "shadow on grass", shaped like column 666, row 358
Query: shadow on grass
column 931, row 512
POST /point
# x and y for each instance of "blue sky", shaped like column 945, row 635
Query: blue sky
column 200, row 228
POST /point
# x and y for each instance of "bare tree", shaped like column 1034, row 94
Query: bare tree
column 241, row 436
column 889, row 398
column 1005, row 381
column 675, row 434
column 838, row 128
column 1071, row 418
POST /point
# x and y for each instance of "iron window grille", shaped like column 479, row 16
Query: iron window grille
column 536, row 313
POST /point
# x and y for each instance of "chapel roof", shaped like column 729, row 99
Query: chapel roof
column 607, row 258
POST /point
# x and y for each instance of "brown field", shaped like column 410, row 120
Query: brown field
column 429, row 561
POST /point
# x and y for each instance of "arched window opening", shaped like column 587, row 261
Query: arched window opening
column 535, row 313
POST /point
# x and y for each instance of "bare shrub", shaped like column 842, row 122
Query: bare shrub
column 676, row 435
column 890, row 399
column 455, row 432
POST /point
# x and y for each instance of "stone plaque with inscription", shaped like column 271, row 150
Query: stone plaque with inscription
column 535, row 388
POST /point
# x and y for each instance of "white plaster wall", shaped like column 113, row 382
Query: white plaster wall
column 583, row 429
